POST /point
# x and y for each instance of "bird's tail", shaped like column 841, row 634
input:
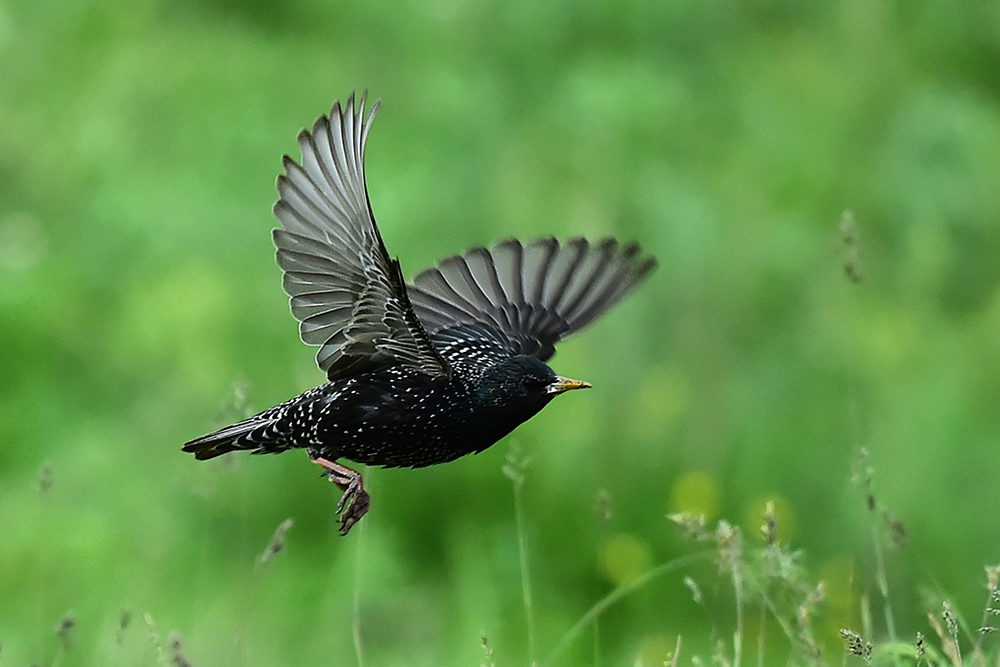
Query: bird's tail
column 228, row 439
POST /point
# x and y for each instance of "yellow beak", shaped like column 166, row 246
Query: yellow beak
column 562, row 384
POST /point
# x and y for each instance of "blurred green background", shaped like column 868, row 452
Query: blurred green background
column 140, row 306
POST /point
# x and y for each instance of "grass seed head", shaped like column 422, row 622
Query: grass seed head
column 277, row 542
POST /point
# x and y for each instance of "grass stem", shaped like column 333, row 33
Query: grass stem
column 620, row 592
column 359, row 647
column 514, row 470
column 738, row 635
column 882, row 580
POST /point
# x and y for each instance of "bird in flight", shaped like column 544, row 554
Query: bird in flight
column 424, row 372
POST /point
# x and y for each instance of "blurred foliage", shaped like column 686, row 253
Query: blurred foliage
column 140, row 306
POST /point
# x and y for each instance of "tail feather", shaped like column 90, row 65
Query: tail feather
column 228, row 439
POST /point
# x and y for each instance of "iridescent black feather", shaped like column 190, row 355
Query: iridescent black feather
column 419, row 373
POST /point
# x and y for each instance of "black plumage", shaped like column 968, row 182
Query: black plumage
column 419, row 373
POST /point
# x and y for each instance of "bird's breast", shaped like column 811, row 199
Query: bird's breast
column 402, row 420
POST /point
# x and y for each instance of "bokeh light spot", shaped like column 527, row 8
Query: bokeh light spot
column 842, row 603
column 696, row 493
column 655, row 650
column 624, row 557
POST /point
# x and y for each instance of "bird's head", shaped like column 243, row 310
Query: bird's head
column 521, row 386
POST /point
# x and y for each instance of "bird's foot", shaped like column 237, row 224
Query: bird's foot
column 355, row 501
column 352, row 506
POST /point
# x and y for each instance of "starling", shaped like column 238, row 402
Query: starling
column 419, row 373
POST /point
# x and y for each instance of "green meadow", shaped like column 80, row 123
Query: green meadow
column 813, row 369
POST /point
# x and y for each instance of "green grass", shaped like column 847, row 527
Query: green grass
column 769, row 587
column 140, row 306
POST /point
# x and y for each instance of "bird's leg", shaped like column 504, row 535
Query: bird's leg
column 354, row 503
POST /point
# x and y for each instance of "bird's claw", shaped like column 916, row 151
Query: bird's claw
column 354, row 503
column 350, row 491
column 352, row 506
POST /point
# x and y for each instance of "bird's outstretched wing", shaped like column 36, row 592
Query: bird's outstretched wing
column 525, row 298
column 347, row 293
